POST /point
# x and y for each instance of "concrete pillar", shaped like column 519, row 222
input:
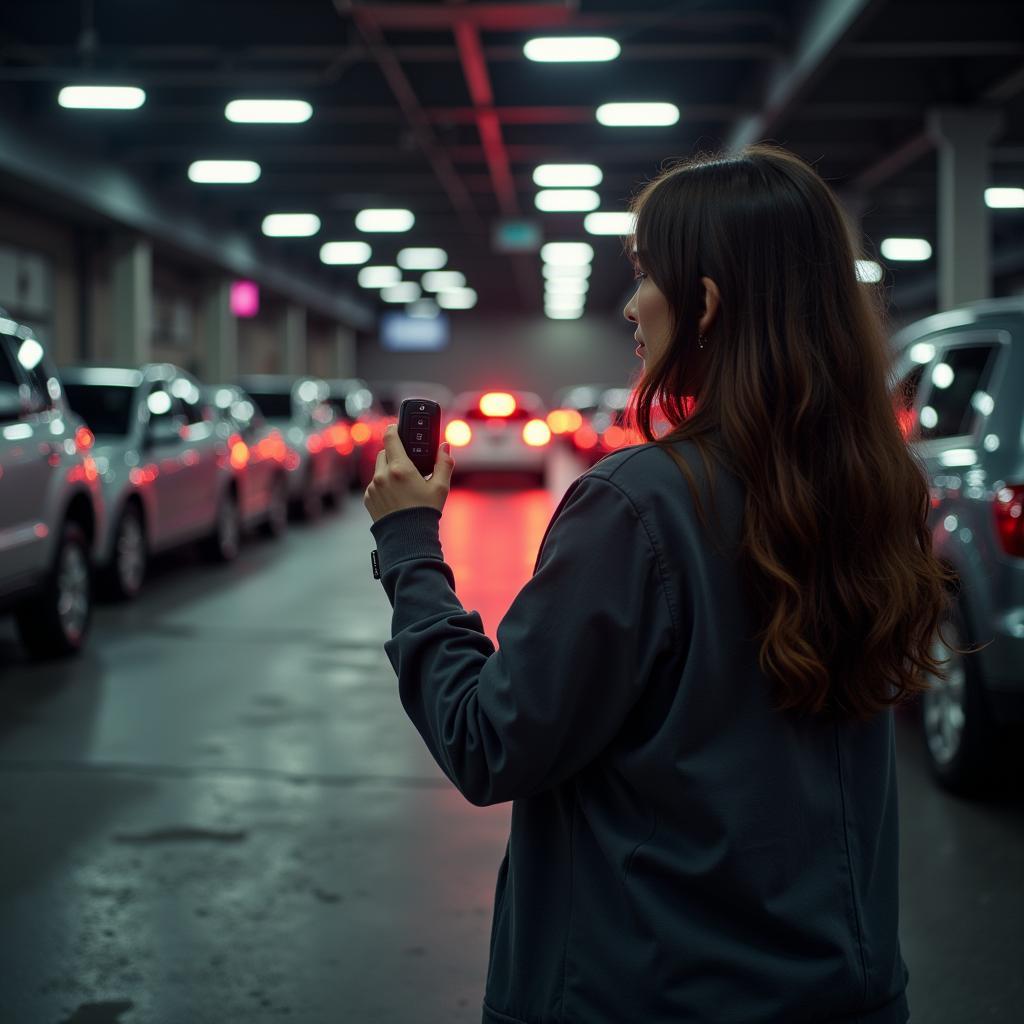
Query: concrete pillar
column 293, row 338
column 963, row 136
column 132, row 301
column 344, row 351
column 220, row 359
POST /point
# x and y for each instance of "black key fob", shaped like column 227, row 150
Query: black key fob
column 419, row 427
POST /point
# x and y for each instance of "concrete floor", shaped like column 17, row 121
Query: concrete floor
column 220, row 812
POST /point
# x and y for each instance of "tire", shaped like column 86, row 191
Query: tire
column 960, row 737
column 276, row 522
column 224, row 542
column 123, row 578
column 55, row 623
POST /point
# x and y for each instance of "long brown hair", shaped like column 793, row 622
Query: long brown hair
column 790, row 394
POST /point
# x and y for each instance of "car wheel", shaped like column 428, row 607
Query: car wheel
column 56, row 621
column 276, row 522
column 124, row 576
column 958, row 730
column 223, row 543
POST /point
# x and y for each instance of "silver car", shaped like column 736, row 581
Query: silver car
column 259, row 456
column 51, row 505
column 166, row 471
column 298, row 407
column 958, row 377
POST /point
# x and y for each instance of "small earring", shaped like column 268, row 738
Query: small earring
column 700, row 340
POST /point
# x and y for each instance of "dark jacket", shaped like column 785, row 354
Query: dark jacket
column 680, row 853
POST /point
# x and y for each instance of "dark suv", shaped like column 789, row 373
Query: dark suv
column 959, row 378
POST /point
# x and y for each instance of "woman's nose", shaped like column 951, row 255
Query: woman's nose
column 628, row 313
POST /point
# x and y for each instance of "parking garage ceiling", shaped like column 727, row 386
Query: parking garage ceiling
column 432, row 106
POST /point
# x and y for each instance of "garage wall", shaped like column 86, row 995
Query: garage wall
column 529, row 353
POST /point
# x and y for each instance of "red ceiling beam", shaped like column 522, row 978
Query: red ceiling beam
column 474, row 67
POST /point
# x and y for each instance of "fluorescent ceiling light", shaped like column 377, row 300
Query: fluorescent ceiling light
column 224, row 172
column 567, row 253
column 563, row 314
column 423, row 309
column 1004, row 198
column 868, row 271
column 443, row 280
column 561, row 200
column 571, row 48
column 457, row 298
column 566, row 286
column 564, row 301
column 422, row 259
column 609, row 223
column 567, row 176
column 291, row 225
column 379, row 277
column 268, row 111
column 554, row 271
column 637, row 115
column 922, row 352
column 912, row 249
column 384, row 220
column 101, row 97
column 404, row 291
column 345, row 253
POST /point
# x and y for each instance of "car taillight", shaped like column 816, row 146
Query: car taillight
column 585, row 438
column 361, row 432
column 497, row 403
column 613, row 437
column 314, row 444
column 1009, row 513
column 239, row 452
column 84, row 438
column 564, row 421
column 458, row 433
column 536, row 433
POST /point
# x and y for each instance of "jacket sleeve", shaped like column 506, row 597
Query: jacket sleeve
column 575, row 650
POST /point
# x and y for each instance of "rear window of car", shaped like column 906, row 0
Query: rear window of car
column 272, row 404
column 106, row 408
column 955, row 380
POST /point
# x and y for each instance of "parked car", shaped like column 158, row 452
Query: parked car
column 957, row 382
column 360, row 407
column 259, row 456
column 499, row 430
column 570, row 419
column 298, row 407
column 51, row 504
column 164, row 469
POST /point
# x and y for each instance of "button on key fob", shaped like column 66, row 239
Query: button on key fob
column 419, row 427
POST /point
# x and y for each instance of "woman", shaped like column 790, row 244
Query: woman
column 693, row 714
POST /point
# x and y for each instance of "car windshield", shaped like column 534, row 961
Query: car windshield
column 106, row 408
column 273, row 405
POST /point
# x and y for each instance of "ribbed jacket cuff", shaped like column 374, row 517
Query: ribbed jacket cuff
column 407, row 533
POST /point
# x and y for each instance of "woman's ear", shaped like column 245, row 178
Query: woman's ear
column 712, row 300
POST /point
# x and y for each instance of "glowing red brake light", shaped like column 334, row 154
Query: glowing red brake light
column 497, row 403
column 458, row 433
column 537, row 433
column 84, row 438
column 1009, row 513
